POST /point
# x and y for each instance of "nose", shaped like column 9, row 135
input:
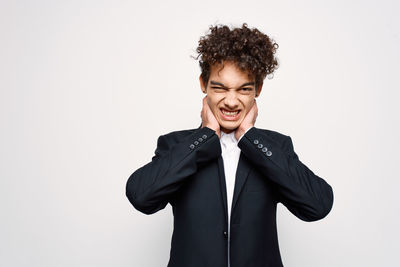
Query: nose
column 231, row 100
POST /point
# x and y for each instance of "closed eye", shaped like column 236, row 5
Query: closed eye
column 218, row 88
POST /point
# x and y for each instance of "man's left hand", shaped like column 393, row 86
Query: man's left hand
column 248, row 121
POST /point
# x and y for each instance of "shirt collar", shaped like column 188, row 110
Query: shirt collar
column 228, row 137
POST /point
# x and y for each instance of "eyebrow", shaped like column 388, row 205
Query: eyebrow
column 221, row 84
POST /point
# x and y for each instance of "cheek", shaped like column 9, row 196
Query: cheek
column 212, row 103
column 248, row 103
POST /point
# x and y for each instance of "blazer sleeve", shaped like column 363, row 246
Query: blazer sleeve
column 306, row 195
column 151, row 187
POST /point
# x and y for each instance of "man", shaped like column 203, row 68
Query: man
column 225, row 178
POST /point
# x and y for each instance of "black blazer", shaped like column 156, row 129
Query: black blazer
column 187, row 172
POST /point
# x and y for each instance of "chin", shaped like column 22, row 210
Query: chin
column 229, row 126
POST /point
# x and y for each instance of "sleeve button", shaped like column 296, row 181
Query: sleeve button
column 260, row 145
column 255, row 142
column 204, row 136
column 196, row 143
column 268, row 153
column 264, row 149
column 191, row 146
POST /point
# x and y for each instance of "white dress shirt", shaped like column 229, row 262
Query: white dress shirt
column 230, row 156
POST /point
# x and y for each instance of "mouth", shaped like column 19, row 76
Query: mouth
column 230, row 115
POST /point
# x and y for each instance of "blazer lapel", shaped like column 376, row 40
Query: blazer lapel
column 222, row 183
column 242, row 172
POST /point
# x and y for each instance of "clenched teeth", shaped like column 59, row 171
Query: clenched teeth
column 229, row 113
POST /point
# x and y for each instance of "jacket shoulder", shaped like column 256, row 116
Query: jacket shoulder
column 282, row 140
column 178, row 135
column 278, row 136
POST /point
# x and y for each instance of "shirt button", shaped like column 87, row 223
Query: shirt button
column 255, row 142
column 225, row 234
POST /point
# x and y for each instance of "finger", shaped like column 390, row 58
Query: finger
column 255, row 106
column 204, row 105
column 207, row 106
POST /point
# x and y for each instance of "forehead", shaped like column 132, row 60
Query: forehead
column 229, row 74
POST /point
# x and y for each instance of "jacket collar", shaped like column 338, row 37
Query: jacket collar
column 242, row 172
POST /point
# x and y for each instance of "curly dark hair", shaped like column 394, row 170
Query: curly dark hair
column 251, row 50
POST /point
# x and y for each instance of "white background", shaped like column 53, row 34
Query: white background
column 88, row 86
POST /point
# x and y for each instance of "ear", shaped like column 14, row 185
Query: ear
column 258, row 90
column 202, row 85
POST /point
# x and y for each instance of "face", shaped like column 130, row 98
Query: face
column 230, row 94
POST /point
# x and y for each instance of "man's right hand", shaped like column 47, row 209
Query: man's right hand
column 208, row 119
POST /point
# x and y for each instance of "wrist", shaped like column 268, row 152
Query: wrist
column 215, row 129
column 242, row 131
column 238, row 133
